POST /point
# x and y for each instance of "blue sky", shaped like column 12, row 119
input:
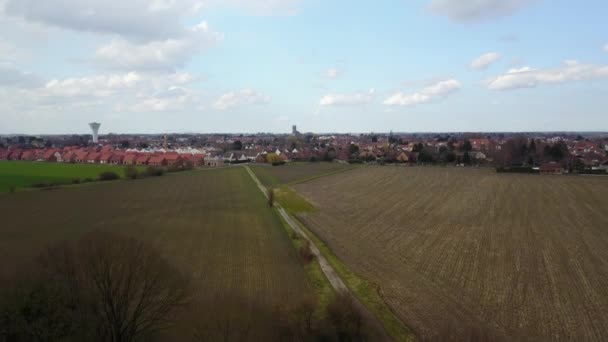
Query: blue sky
column 327, row 66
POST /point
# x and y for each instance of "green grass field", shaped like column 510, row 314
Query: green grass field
column 213, row 224
column 24, row 174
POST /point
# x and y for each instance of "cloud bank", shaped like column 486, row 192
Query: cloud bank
column 484, row 61
column 347, row 99
column 527, row 77
column 431, row 93
column 477, row 10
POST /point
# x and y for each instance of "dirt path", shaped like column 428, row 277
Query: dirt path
column 336, row 282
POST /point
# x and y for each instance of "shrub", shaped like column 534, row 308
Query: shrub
column 131, row 172
column 108, row 176
column 11, row 189
column 174, row 168
column 306, row 253
column 87, row 180
column 76, row 181
column 152, row 171
column 278, row 163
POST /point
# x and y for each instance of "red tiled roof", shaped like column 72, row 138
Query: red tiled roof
column 93, row 156
column 81, row 155
column 68, row 155
column 117, row 158
column 106, row 156
column 49, row 153
column 27, row 155
column 172, row 156
column 142, row 159
column 157, row 159
column 130, row 157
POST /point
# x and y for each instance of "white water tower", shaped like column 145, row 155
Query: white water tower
column 95, row 128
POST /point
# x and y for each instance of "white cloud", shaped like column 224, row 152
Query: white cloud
column 265, row 7
column 172, row 99
column 347, row 99
column 139, row 92
column 333, row 73
column 476, row 10
column 434, row 92
column 147, row 20
column 484, row 61
column 141, row 19
column 527, row 77
column 606, row 47
column 239, row 98
column 165, row 54
column 94, row 86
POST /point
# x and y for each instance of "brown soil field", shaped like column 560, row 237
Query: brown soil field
column 294, row 172
column 214, row 225
column 455, row 250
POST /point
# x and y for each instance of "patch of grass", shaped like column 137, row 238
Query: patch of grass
column 366, row 291
column 25, row 174
column 292, row 201
column 265, row 177
column 321, row 286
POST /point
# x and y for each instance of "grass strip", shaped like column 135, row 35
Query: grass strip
column 321, row 286
column 366, row 291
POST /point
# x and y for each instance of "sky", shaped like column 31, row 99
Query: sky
column 203, row 66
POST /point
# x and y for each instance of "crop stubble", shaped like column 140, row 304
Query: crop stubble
column 522, row 256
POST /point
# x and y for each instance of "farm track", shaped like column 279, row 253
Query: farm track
column 213, row 225
column 331, row 275
column 517, row 256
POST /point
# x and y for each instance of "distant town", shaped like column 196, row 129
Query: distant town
column 547, row 152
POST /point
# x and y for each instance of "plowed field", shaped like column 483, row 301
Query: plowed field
column 517, row 256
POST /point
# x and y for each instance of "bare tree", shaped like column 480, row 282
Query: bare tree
column 344, row 316
column 105, row 286
column 134, row 288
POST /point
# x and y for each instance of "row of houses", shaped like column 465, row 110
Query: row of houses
column 109, row 156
